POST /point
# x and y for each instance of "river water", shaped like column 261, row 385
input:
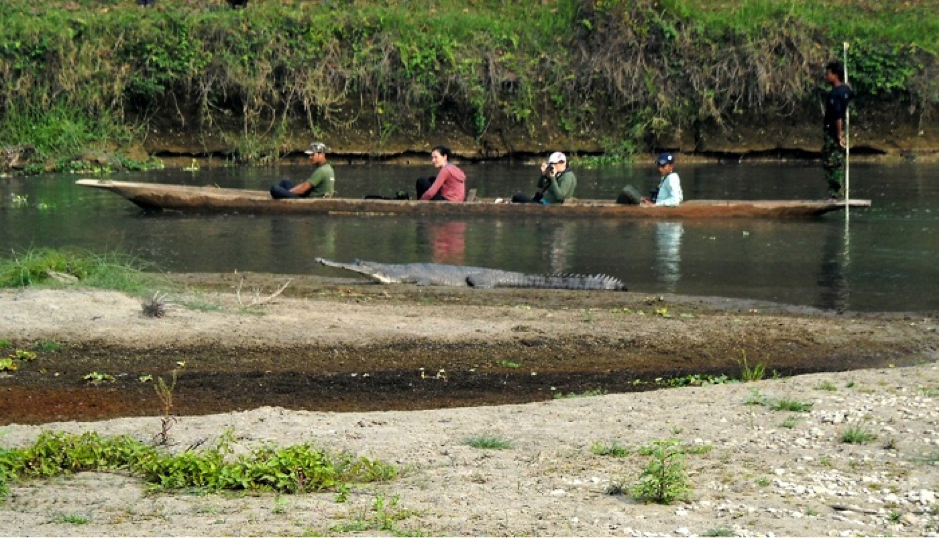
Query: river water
column 884, row 258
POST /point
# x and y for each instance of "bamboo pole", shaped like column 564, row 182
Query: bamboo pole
column 845, row 79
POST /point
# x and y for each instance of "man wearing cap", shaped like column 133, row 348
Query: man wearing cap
column 320, row 184
column 669, row 193
column 556, row 183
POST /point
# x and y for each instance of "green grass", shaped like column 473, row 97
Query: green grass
column 95, row 73
column 788, row 404
column 72, row 519
column 827, row 386
column 789, row 422
column 113, row 271
column 488, row 442
column 613, row 449
column 585, row 394
column 292, row 469
column 857, row 434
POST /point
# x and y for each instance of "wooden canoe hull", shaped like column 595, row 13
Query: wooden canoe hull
column 155, row 196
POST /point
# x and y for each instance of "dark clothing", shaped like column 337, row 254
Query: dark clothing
column 520, row 198
column 282, row 190
column 423, row 185
column 553, row 189
column 833, row 154
column 837, row 105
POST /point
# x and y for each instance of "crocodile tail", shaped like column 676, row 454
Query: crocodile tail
column 554, row 281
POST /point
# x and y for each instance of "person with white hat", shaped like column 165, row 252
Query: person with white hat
column 320, row 184
column 556, row 184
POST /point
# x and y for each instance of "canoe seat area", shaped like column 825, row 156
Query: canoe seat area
column 471, row 195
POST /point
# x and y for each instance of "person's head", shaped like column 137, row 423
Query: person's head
column 440, row 156
column 665, row 162
column 317, row 152
column 834, row 72
column 558, row 161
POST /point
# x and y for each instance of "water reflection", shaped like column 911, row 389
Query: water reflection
column 446, row 239
column 833, row 280
column 668, row 243
column 891, row 262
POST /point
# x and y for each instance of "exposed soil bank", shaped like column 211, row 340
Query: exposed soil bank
column 345, row 345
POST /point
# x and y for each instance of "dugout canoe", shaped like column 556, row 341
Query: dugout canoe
column 154, row 196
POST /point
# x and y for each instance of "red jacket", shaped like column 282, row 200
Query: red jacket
column 450, row 181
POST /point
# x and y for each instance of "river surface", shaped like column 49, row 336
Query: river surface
column 884, row 258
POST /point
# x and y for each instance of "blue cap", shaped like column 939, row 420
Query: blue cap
column 665, row 158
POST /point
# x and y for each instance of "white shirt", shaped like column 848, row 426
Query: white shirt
column 670, row 191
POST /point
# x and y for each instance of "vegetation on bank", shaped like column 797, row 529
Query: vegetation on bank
column 101, row 74
column 113, row 271
column 293, row 469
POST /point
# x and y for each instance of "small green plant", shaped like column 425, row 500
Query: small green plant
column 280, row 505
column 755, row 398
column 488, row 442
column 509, row 364
column 72, row 519
column 585, row 394
column 825, row 385
column 763, row 482
column 789, row 422
column 613, row 449
column 48, row 346
column 5, row 343
column 383, row 515
column 857, row 434
column 894, row 516
column 165, row 394
column 23, row 355
column 97, row 378
column 850, row 384
column 719, row 532
column 750, row 374
column 342, row 493
column 663, row 481
column 8, row 365
column 929, row 392
column 811, row 512
column 787, row 404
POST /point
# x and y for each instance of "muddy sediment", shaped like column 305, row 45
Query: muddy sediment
column 345, row 345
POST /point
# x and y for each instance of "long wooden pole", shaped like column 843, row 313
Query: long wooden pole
column 845, row 78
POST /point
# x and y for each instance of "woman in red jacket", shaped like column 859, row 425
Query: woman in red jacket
column 449, row 183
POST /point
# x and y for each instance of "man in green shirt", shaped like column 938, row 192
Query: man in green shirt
column 320, row 184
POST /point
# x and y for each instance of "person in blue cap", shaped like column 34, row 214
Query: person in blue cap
column 669, row 193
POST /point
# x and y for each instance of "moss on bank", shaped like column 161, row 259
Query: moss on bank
column 250, row 83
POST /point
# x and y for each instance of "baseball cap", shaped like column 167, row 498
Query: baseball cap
column 317, row 147
column 557, row 157
column 665, row 158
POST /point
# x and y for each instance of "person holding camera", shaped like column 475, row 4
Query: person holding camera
column 556, row 184
column 669, row 193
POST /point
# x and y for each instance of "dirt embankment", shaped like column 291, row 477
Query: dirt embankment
column 344, row 345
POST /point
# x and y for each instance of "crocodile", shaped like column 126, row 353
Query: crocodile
column 436, row 274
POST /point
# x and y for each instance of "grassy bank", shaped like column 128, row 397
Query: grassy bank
column 99, row 73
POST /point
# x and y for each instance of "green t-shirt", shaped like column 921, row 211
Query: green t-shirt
column 321, row 181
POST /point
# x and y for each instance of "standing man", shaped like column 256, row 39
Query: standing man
column 833, row 150
column 320, row 184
